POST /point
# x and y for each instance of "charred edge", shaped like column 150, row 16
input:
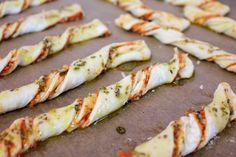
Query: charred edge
column 206, row 4
column 23, row 134
column 17, row 28
column 9, row 145
column 25, row 5
column 43, row 54
column 133, row 75
column 106, row 34
column 137, row 28
column 68, row 39
column 182, row 60
column 74, row 17
column 42, row 88
column 201, row 119
column 60, row 80
column 11, row 64
column 230, row 65
column 218, row 57
column 203, row 19
column 147, row 16
column 177, row 138
column 4, row 34
column 182, row 64
column 88, row 111
column 147, row 72
column 113, row 49
column 78, row 106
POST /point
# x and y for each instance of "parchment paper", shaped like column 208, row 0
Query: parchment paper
column 142, row 119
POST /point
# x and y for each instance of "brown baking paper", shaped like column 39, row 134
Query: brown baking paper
column 142, row 119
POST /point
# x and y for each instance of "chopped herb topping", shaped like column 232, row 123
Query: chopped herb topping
column 40, row 82
column 78, row 64
column 117, row 90
column 104, row 90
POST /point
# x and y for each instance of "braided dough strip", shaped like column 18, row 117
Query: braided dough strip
column 199, row 49
column 164, row 19
column 40, row 21
column 193, row 131
column 25, row 132
column 69, row 77
column 213, row 6
column 16, row 6
column 215, row 22
column 50, row 45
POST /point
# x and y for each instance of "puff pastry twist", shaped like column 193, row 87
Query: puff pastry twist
column 213, row 6
column 41, row 21
column 164, row 19
column 50, row 45
column 215, row 22
column 193, row 131
column 80, row 71
column 24, row 132
column 199, row 49
column 17, row 6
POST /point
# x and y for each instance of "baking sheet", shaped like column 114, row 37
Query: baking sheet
column 142, row 119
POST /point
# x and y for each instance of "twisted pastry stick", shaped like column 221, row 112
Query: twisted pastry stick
column 212, row 6
column 164, row 19
column 41, row 21
column 50, row 45
column 25, row 132
column 193, row 131
column 17, row 6
column 215, row 22
column 199, row 49
column 69, row 77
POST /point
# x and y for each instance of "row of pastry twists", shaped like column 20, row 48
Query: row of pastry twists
column 140, row 10
column 25, row 132
column 17, row 6
column 208, row 13
column 199, row 49
column 81, row 70
column 40, row 21
column 50, row 45
column 213, row 6
column 192, row 131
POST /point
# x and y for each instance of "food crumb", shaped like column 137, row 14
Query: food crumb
column 153, row 91
column 232, row 140
column 129, row 139
column 198, row 62
column 201, row 87
column 149, row 138
column 123, row 74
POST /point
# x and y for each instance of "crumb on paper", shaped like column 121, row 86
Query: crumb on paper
column 149, row 138
column 123, row 74
column 201, row 87
column 198, row 62
column 232, row 140
column 129, row 139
